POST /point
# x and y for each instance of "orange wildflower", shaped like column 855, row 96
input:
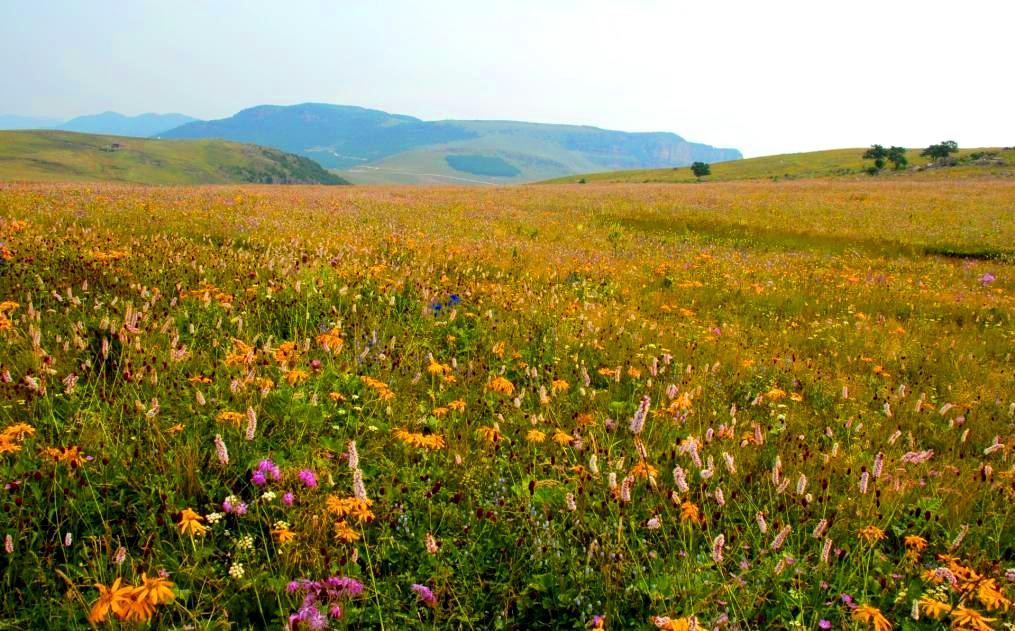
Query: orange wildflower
column 190, row 523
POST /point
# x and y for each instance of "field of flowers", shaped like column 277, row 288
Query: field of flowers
column 717, row 406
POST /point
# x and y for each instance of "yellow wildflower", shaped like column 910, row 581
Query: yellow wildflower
column 228, row 416
column 489, row 434
column 644, row 470
column 872, row 615
column 419, row 440
column 535, row 436
column 666, row 623
column 242, row 354
column 438, row 369
column 933, row 608
column 344, row 533
column 966, row 618
column 284, row 535
column 139, row 610
column 190, row 523
column 345, row 506
column 562, row 438
column 990, row 596
column 331, row 340
column 115, row 598
column 156, row 590
column 689, row 513
column 72, row 456
column 287, row 353
column 502, row 385
column 871, row 534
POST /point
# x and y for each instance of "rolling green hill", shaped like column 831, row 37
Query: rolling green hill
column 370, row 146
column 67, row 156
column 835, row 162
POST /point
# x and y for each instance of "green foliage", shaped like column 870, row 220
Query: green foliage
column 897, row 156
column 701, row 169
column 941, row 150
column 878, row 154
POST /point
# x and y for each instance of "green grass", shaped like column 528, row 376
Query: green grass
column 831, row 163
column 828, row 393
column 55, row 156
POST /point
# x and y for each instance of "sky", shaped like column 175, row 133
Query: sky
column 764, row 77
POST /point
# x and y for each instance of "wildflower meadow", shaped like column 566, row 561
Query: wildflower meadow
column 754, row 405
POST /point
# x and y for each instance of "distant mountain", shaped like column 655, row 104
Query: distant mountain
column 10, row 121
column 337, row 136
column 55, row 156
column 375, row 146
column 141, row 126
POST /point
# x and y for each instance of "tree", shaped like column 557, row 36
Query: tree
column 878, row 154
column 941, row 150
column 700, row 169
column 897, row 156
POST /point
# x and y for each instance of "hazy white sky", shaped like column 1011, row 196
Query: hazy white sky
column 762, row 76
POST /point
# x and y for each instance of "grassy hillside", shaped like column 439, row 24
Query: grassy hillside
column 53, row 156
column 372, row 146
column 835, row 162
column 531, row 151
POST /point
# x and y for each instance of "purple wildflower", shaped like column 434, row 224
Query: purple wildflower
column 781, row 537
column 987, row 279
column 259, row 478
column 346, row 586
column 251, row 423
column 287, row 499
column 824, row 624
column 267, row 467
column 425, row 594
column 308, row 477
column 717, row 546
column 638, row 420
column 321, row 597
column 220, row 450
column 315, row 619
